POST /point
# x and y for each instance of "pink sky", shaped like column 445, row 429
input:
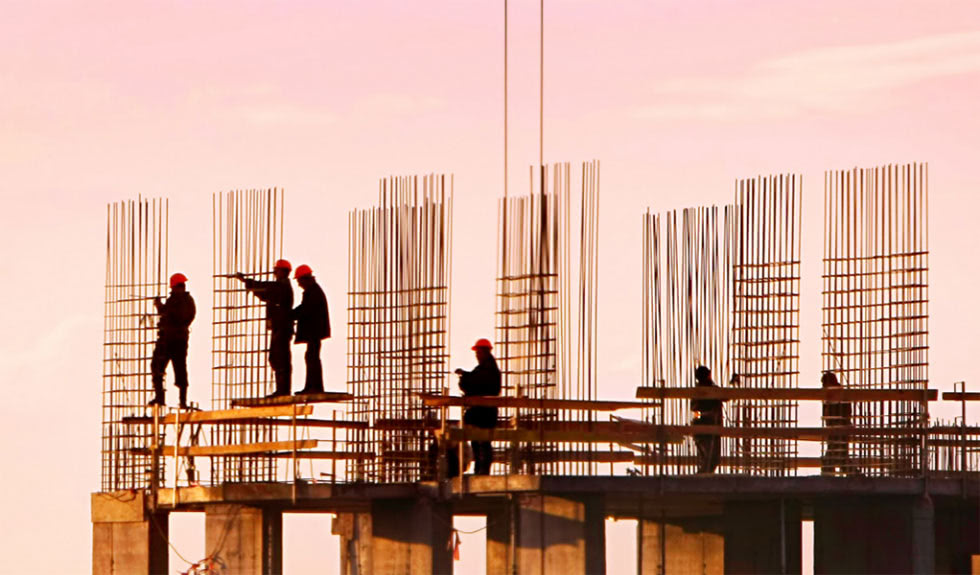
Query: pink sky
column 102, row 101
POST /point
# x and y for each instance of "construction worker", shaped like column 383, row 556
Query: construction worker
column 483, row 380
column 176, row 316
column 312, row 325
column 278, row 298
column 835, row 414
column 707, row 412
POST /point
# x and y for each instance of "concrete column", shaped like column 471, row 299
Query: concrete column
column 684, row 545
column 957, row 535
column 763, row 537
column 874, row 535
column 553, row 535
column 245, row 540
column 354, row 530
column 500, row 524
column 126, row 537
column 408, row 537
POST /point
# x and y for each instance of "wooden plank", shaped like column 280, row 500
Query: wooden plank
column 801, row 433
column 961, row 396
column 760, row 462
column 530, row 436
column 333, row 455
column 288, row 422
column 326, row 397
column 797, row 394
column 227, row 415
column 434, row 400
column 677, row 433
column 236, row 449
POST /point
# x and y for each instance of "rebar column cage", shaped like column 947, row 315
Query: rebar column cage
column 398, row 302
column 765, row 339
column 136, row 272
column 686, row 279
column 546, row 328
column 247, row 238
column 876, row 304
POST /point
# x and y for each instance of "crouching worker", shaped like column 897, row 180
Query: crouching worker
column 176, row 316
column 483, row 380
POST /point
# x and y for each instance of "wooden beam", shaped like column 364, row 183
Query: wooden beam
column 287, row 422
column 962, row 396
column 228, row 415
column 761, row 462
column 677, row 433
column 326, row 397
column 236, row 449
column 795, row 394
column 530, row 436
column 334, row 455
column 434, row 400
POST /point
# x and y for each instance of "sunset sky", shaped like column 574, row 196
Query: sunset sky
column 107, row 101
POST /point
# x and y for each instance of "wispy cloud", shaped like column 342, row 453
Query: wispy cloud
column 835, row 79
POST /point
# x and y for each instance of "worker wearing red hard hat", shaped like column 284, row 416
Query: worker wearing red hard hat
column 483, row 380
column 278, row 298
column 176, row 316
column 312, row 326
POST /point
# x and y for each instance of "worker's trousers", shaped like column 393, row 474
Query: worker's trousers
column 168, row 351
column 314, row 368
column 281, row 360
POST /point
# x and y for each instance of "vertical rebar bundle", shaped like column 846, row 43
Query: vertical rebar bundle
column 398, row 323
column 765, row 338
column 546, row 331
column 688, row 325
column 248, row 236
column 136, row 272
column 876, row 302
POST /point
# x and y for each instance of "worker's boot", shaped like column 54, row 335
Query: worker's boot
column 183, row 397
column 158, row 395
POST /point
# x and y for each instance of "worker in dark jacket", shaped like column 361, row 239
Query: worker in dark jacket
column 483, row 380
column 707, row 412
column 176, row 316
column 312, row 325
column 278, row 298
column 835, row 414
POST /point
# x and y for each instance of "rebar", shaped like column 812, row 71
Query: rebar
column 398, row 323
column 136, row 273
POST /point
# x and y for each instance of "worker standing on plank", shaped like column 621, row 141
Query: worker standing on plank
column 707, row 412
column 483, row 380
column 278, row 298
column 835, row 414
column 312, row 325
column 176, row 316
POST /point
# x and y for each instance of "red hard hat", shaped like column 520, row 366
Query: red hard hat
column 284, row 264
column 177, row 278
column 482, row 342
column 302, row 271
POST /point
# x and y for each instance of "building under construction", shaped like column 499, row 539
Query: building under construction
column 889, row 490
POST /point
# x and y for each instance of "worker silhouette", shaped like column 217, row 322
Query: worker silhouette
column 278, row 298
column 173, row 332
column 835, row 414
column 312, row 326
column 483, row 380
column 707, row 412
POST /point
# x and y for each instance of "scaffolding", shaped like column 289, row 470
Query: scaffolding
column 876, row 304
column 247, row 239
column 136, row 273
column 398, row 302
